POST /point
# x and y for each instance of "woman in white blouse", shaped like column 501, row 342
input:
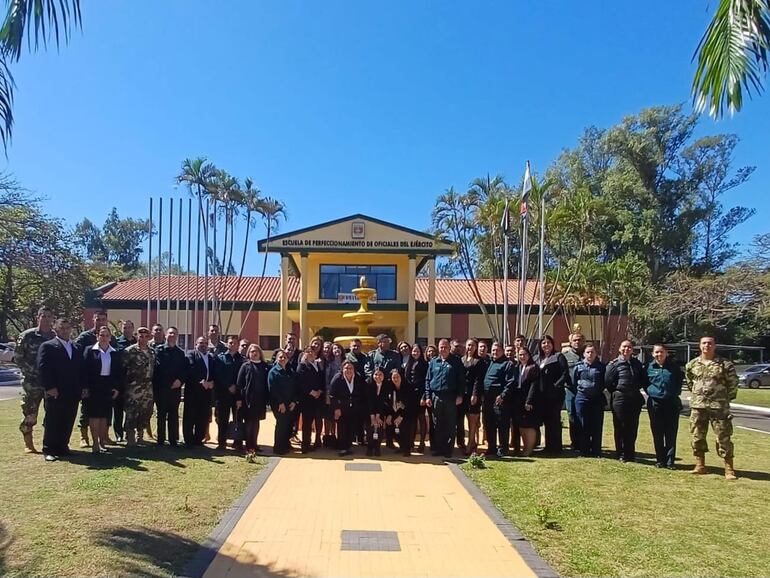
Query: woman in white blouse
column 102, row 385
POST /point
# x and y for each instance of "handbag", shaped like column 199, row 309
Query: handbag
column 235, row 429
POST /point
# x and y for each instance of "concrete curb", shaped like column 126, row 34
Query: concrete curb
column 754, row 408
column 540, row 567
column 196, row 567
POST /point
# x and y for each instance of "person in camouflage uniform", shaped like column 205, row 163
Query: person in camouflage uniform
column 713, row 383
column 139, row 361
column 26, row 359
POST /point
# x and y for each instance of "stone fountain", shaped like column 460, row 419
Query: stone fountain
column 362, row 318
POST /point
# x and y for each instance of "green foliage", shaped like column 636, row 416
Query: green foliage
column 117, row 242
column 732, row 55
column 477, row 461
column 625, row 209
column 37, row 21
column 38, row 265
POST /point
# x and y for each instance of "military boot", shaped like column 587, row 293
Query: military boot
column 700, row 465
column 84, row 443
column 29, row 446
column 729, row 470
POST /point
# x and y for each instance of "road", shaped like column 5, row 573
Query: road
column 9, row 392
column 742, row 418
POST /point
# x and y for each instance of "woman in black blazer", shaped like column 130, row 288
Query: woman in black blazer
column 310, row 379
column 252, row 394
column 380, row 411
column 526, row 400
column 415, row 371
column 103, row 383
column 347, row 392
column 554, row 380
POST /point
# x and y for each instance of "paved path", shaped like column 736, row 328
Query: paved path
column 314, row 516
column 8, row 392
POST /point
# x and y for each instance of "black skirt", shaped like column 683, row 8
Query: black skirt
column 98, row 404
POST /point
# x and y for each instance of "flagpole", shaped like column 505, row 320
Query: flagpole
column 505, row 273
column 541, row 277
column 524, row 266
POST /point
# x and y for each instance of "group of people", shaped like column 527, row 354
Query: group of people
column 333, row 397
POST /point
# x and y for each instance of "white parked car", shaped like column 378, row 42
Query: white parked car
column 6, row 353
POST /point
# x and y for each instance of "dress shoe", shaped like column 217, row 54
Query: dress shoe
column 50, row 458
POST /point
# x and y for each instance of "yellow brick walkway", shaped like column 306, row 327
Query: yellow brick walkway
column 293, row 526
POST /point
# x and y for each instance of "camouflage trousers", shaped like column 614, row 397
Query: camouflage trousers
column 138, row 412
column 31, row 398
column 721, row 422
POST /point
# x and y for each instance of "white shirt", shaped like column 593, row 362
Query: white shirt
column 105, row 357
column 349, row 383
column 67, row 346
column 205, row 362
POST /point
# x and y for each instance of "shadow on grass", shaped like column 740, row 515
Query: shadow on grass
column 148, row 552
column 134, row 457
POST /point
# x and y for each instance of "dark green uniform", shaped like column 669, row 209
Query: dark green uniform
column 26, row 358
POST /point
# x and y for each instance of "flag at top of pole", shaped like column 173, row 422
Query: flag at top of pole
column 523, row 210
column 505, row 223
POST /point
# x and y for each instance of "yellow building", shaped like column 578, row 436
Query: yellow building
column 320, row 266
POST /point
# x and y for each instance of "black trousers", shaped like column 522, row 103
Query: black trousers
column 664, row 423
column 195, row 419
column 407, row 429
column 60, row 414
column 311, row 411
column 462, row 411
column 118, row 416
column 283, row 431
column 348, row 426
column 497, row 421
column 625, row 420
column 225, row 407
column 444, row 423
column 167, row 402
column 374, row 436
column 551, row 416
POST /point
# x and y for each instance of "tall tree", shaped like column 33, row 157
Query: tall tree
column 40, row 22
column 117, row 242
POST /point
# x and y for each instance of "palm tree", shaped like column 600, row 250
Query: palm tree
column 197, row 175
column 38, row 20
column 250, row 199
column 271, row 211
column 732, row 55
column 225, row 190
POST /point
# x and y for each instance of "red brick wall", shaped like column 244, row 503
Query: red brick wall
column 251, row 329
column 460, row 326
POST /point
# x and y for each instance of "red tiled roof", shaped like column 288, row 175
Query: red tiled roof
column 448, row 291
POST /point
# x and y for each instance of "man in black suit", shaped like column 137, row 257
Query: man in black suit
column 226, row 368
column 197, row 393
column 59, row 362
column 171, row 368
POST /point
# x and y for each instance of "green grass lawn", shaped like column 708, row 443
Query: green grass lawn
column 140, row 511
column 598, row 517
column 760, row 397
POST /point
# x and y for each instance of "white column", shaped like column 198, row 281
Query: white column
column 432, row 301
column 284, row 324
column 411, row 316
column 303, row 327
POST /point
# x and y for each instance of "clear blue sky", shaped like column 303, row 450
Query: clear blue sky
column 342, row 107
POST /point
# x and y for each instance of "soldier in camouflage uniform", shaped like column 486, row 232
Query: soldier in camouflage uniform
column 139, row 360
column 713, row 383
column 26, row 358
